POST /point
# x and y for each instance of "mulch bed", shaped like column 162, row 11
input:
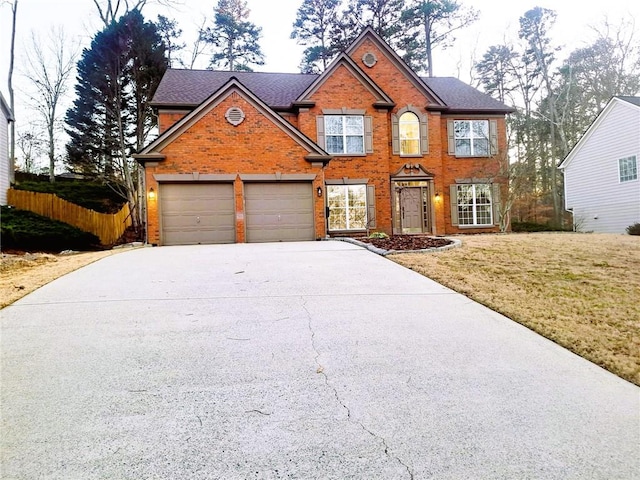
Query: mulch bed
column 406, row 242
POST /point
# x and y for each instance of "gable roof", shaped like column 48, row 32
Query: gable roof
column 189, row 88
column 344, row 60
column 633, row 101
column 152, row 151
column 369, row 34
column 280, row 91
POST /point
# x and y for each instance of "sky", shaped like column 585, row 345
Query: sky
column 498, row 21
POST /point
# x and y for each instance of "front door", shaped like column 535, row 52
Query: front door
column 411, row 209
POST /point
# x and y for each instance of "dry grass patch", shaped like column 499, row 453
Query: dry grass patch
column 580, row 290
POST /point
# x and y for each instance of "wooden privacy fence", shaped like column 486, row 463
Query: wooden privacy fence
column 107, row 227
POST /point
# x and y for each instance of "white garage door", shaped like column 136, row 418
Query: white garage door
column 198, row 213
column 279, row 212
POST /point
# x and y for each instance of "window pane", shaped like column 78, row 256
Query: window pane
column 463, row 147
column 354, row 125
column 628, row 169
column 483, row 215
column 355, row 145
column 357, row 218
column 333, row 125
column 483, row 194
column 461, row 128
column 409, row 147
column 481, row 129
column 334, row 144
column 481, row 147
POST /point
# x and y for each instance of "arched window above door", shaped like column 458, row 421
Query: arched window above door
column 409, row 132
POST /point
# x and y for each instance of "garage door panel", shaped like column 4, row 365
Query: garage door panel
column 197, row 214
column 279, row 212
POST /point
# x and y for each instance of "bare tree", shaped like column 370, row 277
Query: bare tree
column 30, row 144
column 199, row 46
column 49, row 72
column 110, row 10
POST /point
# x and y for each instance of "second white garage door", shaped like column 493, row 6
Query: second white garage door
column 279, row 212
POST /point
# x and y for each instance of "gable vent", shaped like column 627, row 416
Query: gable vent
column 234, row 116
column 369, row 59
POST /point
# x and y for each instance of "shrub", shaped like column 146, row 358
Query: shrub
column 536, row 227
column 23, row 230
column 634, row 229
column 378, row 235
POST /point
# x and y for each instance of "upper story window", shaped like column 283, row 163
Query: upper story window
column 472, row 137
column 628, row 169
column 409, row 131
column 344, row 133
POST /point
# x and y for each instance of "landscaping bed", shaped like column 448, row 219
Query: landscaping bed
column 406, row 242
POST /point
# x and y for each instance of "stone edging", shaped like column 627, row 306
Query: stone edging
column 380, row 251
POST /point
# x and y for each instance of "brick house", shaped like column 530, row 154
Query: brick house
column 368, row 145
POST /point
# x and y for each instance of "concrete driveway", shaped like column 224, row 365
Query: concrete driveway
column 314, row 360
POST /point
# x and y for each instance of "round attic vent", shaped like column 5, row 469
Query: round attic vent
column 369, row 59
column 234, row 116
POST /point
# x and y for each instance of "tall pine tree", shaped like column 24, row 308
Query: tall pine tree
column 234, row 38
column 315, row 27
column 111, row 117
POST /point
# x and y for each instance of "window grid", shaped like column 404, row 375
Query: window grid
column 471, row 137
column 474, row 205
column 344, row 133
column 628, row 168
column 347, row 207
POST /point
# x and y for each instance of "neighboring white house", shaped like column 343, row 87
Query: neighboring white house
column 601, row 174
column 6, row 165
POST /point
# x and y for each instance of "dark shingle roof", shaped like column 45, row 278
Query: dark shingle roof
column 634, row 100
column 462, row 97
column 191, row 87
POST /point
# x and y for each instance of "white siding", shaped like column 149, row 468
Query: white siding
column 4, row 157
column 593, row 190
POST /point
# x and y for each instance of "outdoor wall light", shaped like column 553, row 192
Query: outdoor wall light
column 437, row 195
column 152, row 194
column 319, row 192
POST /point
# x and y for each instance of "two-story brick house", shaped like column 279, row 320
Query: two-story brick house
column 366, row 146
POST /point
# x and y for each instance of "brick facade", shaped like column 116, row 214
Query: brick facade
column 283, row 143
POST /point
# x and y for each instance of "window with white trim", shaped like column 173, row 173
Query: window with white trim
column 628, row 169
column 344, row 133
column 474, row 204
column 471, row 137
column 347, row 207
column 409, row 130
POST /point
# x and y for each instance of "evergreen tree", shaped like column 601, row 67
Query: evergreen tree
column 111, row 117
column 235, row 40
column 434, row 23
column 315, row 27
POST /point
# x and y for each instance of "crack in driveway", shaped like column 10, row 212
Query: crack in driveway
column 321, row 371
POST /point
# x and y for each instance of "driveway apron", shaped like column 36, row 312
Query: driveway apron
column 316, row 360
